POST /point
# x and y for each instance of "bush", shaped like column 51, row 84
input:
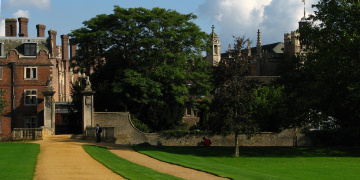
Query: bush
column 139, row 125
column 336, row 137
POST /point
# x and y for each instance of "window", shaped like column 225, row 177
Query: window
column 30, row 49
column 188, row 109
column 30, row 122
column 30, row 97
column 30, row 72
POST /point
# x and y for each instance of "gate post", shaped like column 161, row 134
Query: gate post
column 88, row 106
column 49, row 106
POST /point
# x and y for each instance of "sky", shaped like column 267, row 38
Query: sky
column 230, row 17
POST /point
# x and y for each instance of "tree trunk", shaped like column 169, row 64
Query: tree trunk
column 236, row 144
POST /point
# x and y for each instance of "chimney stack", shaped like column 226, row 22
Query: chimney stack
column 73, row 48
column 52, row 35
column 40, row 30
column 10, row 27
column 23, row 27
column 65, row 46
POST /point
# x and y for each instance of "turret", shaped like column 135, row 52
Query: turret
column 214, row 56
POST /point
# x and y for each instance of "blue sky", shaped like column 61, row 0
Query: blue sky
column 230, row 17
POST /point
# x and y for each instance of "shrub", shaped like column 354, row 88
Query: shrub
column 139, row 125
column 336, row 137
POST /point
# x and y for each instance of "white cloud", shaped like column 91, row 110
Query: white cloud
column 21, row 13
column 244, row 17
column 2, row 27
column 41, row 4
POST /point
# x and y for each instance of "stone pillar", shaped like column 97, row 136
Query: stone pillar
column 49, row 107
column 88, row 106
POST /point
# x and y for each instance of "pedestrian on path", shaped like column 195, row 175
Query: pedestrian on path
column 98, row 133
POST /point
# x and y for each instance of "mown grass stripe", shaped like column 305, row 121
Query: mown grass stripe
column 264, row 162
column 123, row 167
column 18, row 160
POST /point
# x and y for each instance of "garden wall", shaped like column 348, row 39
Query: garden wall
column 125, row 133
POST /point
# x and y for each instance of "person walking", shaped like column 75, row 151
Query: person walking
column 98, row 133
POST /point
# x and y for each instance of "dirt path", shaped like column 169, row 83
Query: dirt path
column 62, row 157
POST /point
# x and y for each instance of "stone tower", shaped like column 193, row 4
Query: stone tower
column 214, row 55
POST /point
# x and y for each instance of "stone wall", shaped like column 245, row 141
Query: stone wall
column 126, row 133
column 288, row 137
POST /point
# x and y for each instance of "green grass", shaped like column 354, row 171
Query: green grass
column 124, row 167
column 18, row 160
column 264, row 162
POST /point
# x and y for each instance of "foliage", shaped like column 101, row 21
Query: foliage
column 123, row 167
column 76, row 92
column 139, row 125
column 142, row 61
column 264, row 162
column 268, row 109
column 2, row 102
column 234, row 95
column 18, row 160
column 336, row 137
column 202, row 107
column 323, row 81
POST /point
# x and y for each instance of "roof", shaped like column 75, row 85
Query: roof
column 10, row 43
column 275, row 48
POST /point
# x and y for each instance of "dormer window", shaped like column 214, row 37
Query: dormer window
column 30, row 49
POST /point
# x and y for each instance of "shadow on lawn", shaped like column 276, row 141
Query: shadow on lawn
column 282, row 152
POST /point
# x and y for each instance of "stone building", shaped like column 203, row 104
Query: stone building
column 27, row 64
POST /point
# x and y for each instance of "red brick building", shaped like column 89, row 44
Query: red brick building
column 26, row 63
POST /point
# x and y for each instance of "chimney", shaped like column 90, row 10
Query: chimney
column 258, row 44
column 10, row 27
column 23, row 27
column 40, row 30
column 73, row 48
column 65, row 46
column 52, row 36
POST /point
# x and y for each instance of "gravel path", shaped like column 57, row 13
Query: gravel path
column 62, row 157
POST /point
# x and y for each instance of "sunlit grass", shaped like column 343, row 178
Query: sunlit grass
column 124, row 167
column 264, row 162
column 18, row 160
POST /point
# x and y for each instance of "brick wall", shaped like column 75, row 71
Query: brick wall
column 44, row 67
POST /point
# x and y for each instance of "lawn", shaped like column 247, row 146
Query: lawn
column 264, row 162
column 122, row 166
column 18, row 160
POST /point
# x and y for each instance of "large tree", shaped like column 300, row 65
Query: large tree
column 144, row 61
column 234, row 95
column 324, row 81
